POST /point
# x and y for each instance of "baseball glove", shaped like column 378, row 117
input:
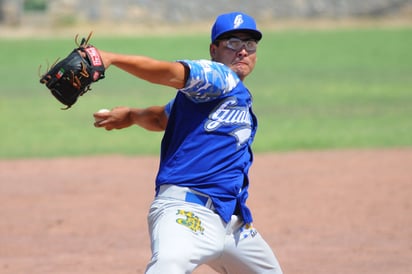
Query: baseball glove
column 72, row 76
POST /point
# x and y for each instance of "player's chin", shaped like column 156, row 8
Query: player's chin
column 242, row 72
column 241, row 69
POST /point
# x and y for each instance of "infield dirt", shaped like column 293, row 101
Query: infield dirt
column 322, row 212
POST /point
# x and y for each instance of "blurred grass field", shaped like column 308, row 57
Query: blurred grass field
column 313, row 89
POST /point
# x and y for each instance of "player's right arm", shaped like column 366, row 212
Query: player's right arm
column 165, row 73
column 151, row 118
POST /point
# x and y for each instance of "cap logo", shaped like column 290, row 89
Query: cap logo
column 238, row 21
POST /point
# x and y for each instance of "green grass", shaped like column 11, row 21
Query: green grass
column 312, row 90
column 335, row 89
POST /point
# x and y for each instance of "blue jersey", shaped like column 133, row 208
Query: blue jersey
column 207, row 142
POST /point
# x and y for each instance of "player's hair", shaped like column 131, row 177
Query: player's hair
column 216, row 42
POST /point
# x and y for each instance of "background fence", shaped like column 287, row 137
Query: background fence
column 69, row 12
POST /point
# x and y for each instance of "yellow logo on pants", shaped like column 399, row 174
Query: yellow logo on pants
column 191, row 221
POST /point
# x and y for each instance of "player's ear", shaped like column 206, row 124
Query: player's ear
column 212, row 51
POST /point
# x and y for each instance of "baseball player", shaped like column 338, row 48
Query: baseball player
column 199, row 214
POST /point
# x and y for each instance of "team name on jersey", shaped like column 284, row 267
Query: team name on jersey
column 229, row 113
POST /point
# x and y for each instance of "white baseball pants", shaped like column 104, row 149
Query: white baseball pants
column 185, row 235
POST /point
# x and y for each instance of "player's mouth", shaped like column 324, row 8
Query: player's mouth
column 240, row 63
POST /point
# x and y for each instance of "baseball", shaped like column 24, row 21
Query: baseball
column 101, row 111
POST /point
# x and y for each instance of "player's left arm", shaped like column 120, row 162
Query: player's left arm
column 172, row 74
column 151, row 118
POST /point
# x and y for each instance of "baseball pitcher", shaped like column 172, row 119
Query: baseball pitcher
column 199, row 214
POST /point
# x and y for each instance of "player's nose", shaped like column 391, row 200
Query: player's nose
column 242, row 52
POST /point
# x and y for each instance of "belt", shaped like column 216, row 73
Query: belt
column 185, row 194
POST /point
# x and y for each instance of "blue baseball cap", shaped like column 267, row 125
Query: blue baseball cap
column 234, row 22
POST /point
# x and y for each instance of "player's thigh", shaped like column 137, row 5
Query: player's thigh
column 177, row 233
column 248, row 253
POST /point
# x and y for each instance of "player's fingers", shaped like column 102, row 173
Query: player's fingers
column 105, row 124
column 97, row 124
column 101, row 118
column 101, row 115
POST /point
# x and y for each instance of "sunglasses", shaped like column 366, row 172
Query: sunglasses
column 236, row 44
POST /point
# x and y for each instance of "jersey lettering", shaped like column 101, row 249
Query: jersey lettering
column 228, row 113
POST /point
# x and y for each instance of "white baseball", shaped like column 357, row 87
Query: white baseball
column 101, row 111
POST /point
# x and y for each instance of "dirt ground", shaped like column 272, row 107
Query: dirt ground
column 322, row 212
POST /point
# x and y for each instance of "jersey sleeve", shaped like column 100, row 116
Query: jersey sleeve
column 208, row 80
column 168, row 107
